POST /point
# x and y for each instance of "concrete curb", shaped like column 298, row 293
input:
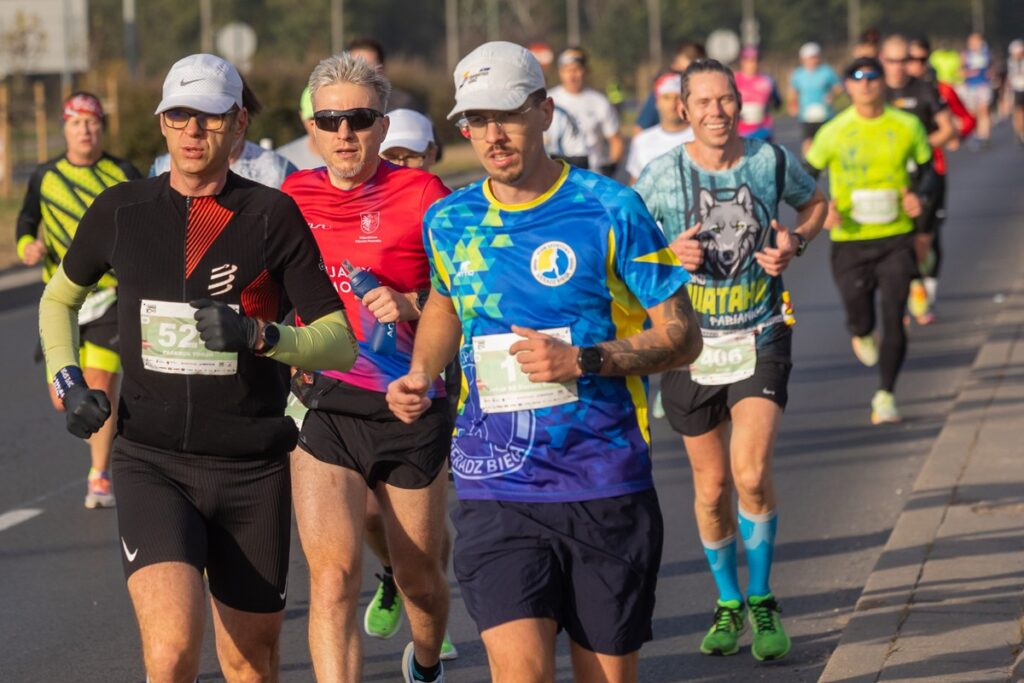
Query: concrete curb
column 885, row 603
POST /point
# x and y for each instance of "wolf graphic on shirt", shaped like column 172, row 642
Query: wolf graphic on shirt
column 728, row 231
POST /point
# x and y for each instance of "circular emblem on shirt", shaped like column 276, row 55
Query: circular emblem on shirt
column 553, row 263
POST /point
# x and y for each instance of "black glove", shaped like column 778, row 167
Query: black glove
column 86, row 410
column 222, row 329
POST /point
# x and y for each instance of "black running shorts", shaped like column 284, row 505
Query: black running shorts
column 228, row 516
column 359, row 432
column 693, row 409
column 591, row 566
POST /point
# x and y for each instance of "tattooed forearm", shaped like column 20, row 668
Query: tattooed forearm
column 672, row 340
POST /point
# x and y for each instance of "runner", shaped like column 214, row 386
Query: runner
column 871, row 217
column 59, row 193
column 410, row 140
column 549, row 302
column 759, row 95
column 248, row 159
column 564, row 139
column 927, row 242
column 812, row 86
column 717, row 200
column 670, row 133
column 685, row 53
column 301, row 152
column 366, row 215
column 976, row 91
column 1015, row 76
column 204, row 260
column 591, row 110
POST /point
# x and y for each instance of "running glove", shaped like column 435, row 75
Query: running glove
column 86, row 410
column 223, row 329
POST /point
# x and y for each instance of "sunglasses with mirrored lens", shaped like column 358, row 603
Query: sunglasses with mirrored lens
column 861, row 75
column 357, row 119
column 179, row 118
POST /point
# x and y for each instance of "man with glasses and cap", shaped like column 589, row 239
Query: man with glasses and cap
column 59, row 192
column 205, row 262
column 410, row 140
column 366, row 215
column 564, row 295
column 866, row 150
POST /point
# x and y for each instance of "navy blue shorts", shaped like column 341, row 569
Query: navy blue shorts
column 591, row 566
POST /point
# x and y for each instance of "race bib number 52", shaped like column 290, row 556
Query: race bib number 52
column 171, row 343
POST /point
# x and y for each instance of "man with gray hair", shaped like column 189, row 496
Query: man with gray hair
column 366, row 215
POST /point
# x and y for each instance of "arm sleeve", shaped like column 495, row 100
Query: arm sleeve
column 324, row 344
column 643, row 260
column 58, row 321
column 648, row 115
column 799, row 186
column 31, row 214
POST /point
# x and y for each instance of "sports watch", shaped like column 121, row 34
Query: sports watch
column 803, row 242
column 590, row 359
column 270, row 336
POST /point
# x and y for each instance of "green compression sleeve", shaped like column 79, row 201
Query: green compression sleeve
column 58, row 321
column 325, row 344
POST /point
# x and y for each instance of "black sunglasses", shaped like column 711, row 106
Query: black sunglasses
column 357, row 119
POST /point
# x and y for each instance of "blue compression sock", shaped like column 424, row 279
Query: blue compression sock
column 758, row 533
column 722, row 558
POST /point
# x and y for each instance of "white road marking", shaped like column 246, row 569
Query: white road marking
column 15, row 517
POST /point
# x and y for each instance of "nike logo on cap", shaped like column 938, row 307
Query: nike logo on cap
column 194, row 80
column 130, row 555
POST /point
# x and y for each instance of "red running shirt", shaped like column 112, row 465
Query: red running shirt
column 377, row 226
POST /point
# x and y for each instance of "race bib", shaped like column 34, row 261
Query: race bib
column 503, row 386
column 96, row 304
column 815, row 113
column 726, row 359
column 752, row 113
column 875, row 207
column 171, row 343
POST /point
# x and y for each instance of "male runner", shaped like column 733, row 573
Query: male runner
column 410, row 140
column 812, row 87
column 717, row 200
column 673, row 130
column 59, row 192
column 545, row 271
column 921, row 98
column 759, row 94
column 1015, row 77
column 874, row 202
column 301, row 152
column 367, row 214
column 976, row 91
column 591, row 111
column 205, row 260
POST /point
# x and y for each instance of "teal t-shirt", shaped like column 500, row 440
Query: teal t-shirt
column 735, row 208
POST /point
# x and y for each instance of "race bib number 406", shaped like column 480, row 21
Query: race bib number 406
column 171, row 343
column 502, row 384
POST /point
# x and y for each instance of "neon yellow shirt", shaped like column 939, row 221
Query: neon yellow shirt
column 867, row 167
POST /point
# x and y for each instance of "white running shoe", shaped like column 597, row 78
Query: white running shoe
column 883, row 409
column 866, row 350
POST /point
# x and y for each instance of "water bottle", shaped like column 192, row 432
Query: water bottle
column 382, row 338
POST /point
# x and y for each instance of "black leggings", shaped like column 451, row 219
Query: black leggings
column 886, row 265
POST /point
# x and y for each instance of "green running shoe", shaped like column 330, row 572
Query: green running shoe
column 723, row 637
column 448, row 649
column 770, row 639
column 383, row 615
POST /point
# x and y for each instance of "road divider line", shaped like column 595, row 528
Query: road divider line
column 15, row 517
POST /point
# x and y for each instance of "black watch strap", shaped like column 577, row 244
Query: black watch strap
column 802, row 247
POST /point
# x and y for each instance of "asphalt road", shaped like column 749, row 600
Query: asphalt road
column 841, row 484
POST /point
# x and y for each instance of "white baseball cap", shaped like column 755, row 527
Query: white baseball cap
column 809, row 50
column 202, row 82
column 496, row 76
column 409, row 129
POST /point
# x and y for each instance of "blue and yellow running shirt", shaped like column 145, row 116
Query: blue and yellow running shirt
column 586, row 256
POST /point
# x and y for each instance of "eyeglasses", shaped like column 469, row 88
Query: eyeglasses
column 357, row 119
column 412, row 160
column 901, row 60
column 474, row 126
column 919, row 58
column 861, row 75
column 179, row 118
